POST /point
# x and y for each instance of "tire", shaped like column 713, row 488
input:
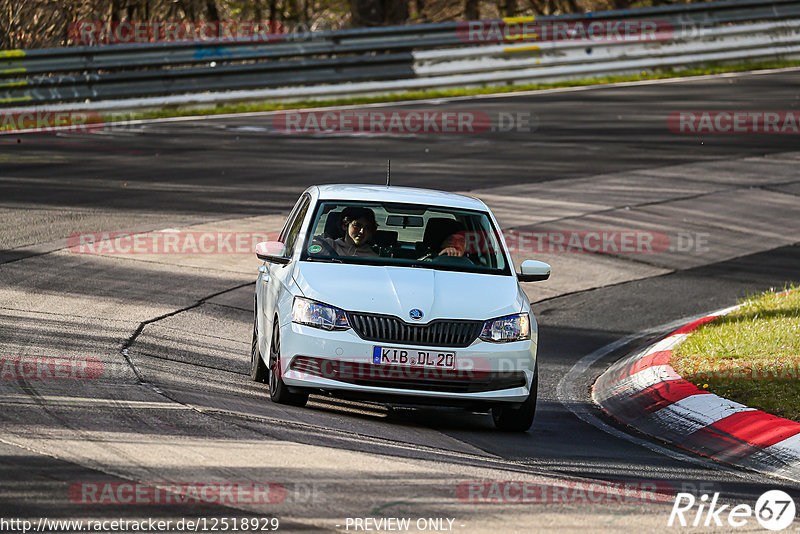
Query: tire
column 258, row 369
column 278, row 391
column 518, row 419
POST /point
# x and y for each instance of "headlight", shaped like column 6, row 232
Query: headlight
column 509, row 328
column 318, row 315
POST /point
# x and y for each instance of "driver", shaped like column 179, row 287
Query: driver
column 358, row 225
column 452, row 250
column 454, row 245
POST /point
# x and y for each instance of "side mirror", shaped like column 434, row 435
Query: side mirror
column 533, row 271
column 272, row 252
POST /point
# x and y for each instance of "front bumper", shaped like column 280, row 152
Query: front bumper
column 341, row 362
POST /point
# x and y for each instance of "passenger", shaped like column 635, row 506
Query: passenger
column 358, row 225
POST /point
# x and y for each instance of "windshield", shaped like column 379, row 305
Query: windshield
column 382, row 233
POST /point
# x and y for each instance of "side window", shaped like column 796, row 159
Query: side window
column 290, row 219
column 294, row 226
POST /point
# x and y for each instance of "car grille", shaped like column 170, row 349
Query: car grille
column 439, row 333
column 397, row 377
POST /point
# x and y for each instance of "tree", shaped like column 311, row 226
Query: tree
column 472, row 9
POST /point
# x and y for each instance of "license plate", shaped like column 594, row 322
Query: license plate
column 432, row 359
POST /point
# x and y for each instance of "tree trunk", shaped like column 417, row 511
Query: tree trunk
column 395, row 11
column 211, row 11
column 509, row 8
column 573, row 7
column 419, row 6
column 273, row 12
column 188, row 9
column 472, row 9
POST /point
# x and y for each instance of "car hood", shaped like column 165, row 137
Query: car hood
column 397, row 290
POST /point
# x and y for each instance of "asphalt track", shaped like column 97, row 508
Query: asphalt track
column 177, row 404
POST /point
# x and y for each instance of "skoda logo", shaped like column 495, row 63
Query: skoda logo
column 415, row 314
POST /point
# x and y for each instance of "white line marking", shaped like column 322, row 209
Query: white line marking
column 446, row 100
column 432, row 101
column 567, row 395
column 566, row 391
column 52, row 400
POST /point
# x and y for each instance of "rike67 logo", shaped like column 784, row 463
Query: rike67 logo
column 774, row 510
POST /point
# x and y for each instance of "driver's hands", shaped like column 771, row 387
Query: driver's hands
column 451, row 251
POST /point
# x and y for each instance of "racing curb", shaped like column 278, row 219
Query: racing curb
column 642, row 390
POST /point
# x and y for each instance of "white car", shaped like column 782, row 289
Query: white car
column 400, row 296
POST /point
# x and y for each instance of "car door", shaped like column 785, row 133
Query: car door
column 279, row 275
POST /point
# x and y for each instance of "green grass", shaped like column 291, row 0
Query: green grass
column 443, row 93
column 751, row 355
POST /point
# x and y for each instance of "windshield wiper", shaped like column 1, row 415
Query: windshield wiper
column 330, row 259
column 418, row 265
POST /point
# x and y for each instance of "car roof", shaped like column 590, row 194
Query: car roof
column 411, row 195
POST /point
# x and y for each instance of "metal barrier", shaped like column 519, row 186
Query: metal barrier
column 389, row 59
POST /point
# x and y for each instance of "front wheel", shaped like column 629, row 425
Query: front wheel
column 518, row 419
column 278, row 390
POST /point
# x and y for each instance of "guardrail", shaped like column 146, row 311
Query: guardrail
column 375, row 60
